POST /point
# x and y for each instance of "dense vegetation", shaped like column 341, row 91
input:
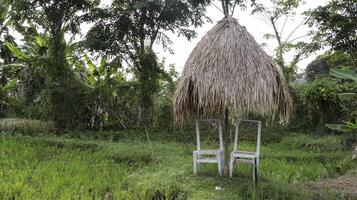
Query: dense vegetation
column 89, row 116
column 111, row 78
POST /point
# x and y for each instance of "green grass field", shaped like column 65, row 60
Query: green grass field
column 50, row 167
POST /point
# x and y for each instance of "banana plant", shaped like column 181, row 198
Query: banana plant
column 344, row 74
column 103, row 82
column 32, row 53
column 350, row 127
column 5, row 101
column 28, row 66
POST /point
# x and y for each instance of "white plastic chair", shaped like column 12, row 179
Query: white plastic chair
column 245, row 156
column 199, row 154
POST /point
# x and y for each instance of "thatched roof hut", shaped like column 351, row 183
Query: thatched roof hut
column 228, row 68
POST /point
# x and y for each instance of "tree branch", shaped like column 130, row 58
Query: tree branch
column 295, row 29
column 283, row 27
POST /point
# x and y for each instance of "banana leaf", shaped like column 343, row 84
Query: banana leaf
column 343, row 74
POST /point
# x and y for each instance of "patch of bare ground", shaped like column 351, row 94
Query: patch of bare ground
column 346, row 185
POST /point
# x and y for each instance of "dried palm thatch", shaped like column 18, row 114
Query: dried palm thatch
column 228, row 68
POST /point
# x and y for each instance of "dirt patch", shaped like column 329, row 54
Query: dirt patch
column 345, row 185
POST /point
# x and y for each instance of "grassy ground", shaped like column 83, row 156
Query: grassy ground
column 49, row 167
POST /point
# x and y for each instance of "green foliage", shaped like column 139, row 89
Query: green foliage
column 127, row 26
column 104, row 83
column 69, row 109
column 350, row 98
column 59, row 80
column 308, row 143
column 35, row 95
column 6, row 83
column 322, row 102
column 149, row 74
column 320, row 67
column 344, row 74
column 5, row 100
column 319, row 102
column 348, row 127
column 58, row 17
column 16, row 51
column 4, row 21
column 29, row 71
column 4, row 8
column 127, row 30
column 52, row 16
column 337, row 26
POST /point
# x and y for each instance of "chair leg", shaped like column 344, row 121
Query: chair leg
column 195, row 167
column 231, row 165
column 255, row 171
column 223, row 161
column 219, row 162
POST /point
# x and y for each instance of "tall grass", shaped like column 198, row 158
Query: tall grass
column 58, row 168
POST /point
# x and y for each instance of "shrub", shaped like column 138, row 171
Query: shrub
column 318, row 103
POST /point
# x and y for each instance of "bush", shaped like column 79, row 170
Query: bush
column 318, row 103
column 69, row 106
column 25, row 126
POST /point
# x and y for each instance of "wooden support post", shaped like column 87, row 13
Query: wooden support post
column 198, row 137
column 236, row 136
column 220, row 132
column 226, row 141
column 258, row 140
column 195, row 167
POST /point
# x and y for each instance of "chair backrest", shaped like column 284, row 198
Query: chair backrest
column 259, row 130
column 198, row 137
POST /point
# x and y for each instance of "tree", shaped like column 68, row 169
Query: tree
column 336, row 25
column 283, row 10
column 127, row 31
column 56, row 17
column 320, row 67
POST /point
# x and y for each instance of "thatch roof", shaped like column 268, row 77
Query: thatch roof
column 229, row 68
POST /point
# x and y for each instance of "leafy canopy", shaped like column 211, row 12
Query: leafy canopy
column 127, row 27
column 53, row 15
column 337, row 26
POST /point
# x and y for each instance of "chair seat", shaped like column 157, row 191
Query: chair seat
column 208, row 152
column 244, row 154
column 207, row 160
